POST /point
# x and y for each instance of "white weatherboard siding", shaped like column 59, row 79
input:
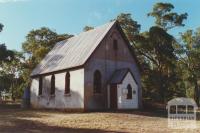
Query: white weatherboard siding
column 95, row 52
column 124, row 103
column 34, row 92
column 60, row 100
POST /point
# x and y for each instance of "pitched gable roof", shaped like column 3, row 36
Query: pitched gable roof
column 72, row 52
column 119, row 75
column 75, row 51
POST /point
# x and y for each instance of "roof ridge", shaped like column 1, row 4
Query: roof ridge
column 95, row 28
column 85, row 32
column 74, row 52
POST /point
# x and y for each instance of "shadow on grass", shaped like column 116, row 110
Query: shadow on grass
column 28, row 126
column 141, row 112
column 150, row 113
column 147, row 112
column 16, row 120
column 10, row 106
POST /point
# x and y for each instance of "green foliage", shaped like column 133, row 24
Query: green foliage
column 156, row 48
column 4, row 82
column 189, row 60
column 129, row 26
column 16, row 66
column 5, row 54
column 87, row 28
column 170, row 68
column 38, row 43
column 11, row 71
column 1, row 27
column 165, row 18
column 6, row 57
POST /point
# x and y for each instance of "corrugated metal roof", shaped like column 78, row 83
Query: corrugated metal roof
column 118, row 76
column 72, row 52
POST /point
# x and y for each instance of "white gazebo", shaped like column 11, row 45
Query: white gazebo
column 182, row 108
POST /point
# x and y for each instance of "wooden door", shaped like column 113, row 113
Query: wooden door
column 113, row 96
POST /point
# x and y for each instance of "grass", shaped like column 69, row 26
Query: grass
column 13, row 119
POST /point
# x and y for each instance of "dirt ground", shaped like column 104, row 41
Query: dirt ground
column 13, row 120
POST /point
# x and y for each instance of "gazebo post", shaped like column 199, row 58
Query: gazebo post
column 186, row 109
column 194, row 109
column 168, row 111
column 186, row 117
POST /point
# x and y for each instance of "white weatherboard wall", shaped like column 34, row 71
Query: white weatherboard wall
column 124, row 103
column 73, row 101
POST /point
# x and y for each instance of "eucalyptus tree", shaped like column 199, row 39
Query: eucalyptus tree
column 160, row 52
column 87, row 28
column 189, row 59
column 165, row 17
column 155, row 50
column 12, row 70
column 129, row 25
column 5, row 57
column 37, row 44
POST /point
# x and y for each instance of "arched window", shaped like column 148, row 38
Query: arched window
column 40, row 86
column 52, row 85
column 97, row 81
column 67, row 83
column 115, row 44
column 129, row 94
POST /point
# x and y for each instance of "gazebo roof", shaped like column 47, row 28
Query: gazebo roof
column 182, row 101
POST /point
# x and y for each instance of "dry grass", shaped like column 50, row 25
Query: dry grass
column 41, row 121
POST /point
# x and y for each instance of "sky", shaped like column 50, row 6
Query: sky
column 70, row 16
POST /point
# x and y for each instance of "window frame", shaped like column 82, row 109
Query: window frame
column 115, row 44
column 97, row 82
column 67, row 83
column 129, row 95
column 53, row 88
column 40, row 86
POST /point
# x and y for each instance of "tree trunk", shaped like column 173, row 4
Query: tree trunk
column 196, row 93
column 12, row 90
column 161, row 88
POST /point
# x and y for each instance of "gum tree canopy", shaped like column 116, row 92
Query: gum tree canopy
column 165, row 18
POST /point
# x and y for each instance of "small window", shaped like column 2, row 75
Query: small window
column 52, row 85
column 40, row 86
column 97, row 81
column 129, row 94
column 115, row 44
column 67, row 83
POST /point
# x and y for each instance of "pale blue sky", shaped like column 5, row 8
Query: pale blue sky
column 70, row 16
